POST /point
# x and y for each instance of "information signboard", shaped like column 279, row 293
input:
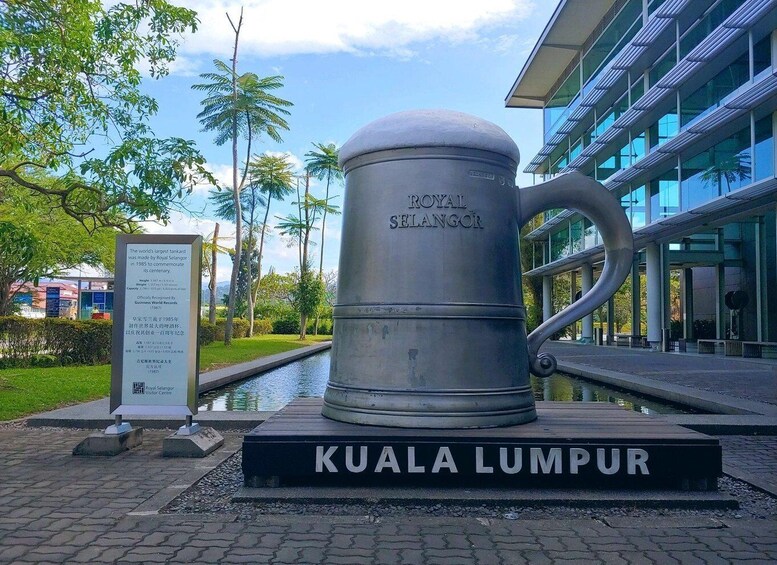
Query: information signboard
column 155, row 368
column 52, row 301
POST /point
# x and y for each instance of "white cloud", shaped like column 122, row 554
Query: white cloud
column 286, row 27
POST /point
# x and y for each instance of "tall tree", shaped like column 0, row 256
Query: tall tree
column 310, row 291
column 273, row 174
column 251, row 200
column 322, row 164
column 240, row 106
column 37, row 239
column 69, row 85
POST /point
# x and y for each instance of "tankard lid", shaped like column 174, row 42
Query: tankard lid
column 429, row 128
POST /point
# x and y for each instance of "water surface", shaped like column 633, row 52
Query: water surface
column 308, row 377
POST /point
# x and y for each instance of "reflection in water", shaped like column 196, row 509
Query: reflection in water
column 307, row 378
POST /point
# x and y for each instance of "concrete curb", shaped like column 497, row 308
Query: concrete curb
column 96, row 414
column 700, row 399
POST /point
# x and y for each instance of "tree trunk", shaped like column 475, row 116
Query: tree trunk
column 235, row 196
column 303, row 319
column 261, row 249
column 250, row 249
column 323, row 234
column 6, row 299
column 212, row 283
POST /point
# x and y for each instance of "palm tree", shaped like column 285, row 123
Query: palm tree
column 322, row 164
column 251, row 200
column 240, row 106
column 273, row 174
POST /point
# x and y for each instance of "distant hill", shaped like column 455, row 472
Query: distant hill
column 221, row 289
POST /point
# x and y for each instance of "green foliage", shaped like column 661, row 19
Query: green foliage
column 37, row 239
column 286, row 325
column 25, row 342
column 310, row 293
column 252, row 110
column 239, row 328
column 263, row 326
column 44, row 360
column 704, row 329
column 207, row 332
column 69, row 81
column 20, row 339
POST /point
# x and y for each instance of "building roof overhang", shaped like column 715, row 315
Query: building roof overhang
column 561, row 41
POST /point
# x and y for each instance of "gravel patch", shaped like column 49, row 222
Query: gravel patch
column 213, row 492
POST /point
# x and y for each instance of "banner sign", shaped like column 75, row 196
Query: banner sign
column 155, row 367
column 52, row 301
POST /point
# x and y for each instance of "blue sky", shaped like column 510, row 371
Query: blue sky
column 346, row 63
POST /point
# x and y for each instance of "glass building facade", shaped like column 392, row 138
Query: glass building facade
column 671, row 106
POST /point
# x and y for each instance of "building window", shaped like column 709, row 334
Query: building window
column 762, row 57
column 653, row 5
column 638, row 207
column 707, row 24
column 663, row 130
column 710, row 95
column 612, row 164
column 559, row 244
column 718, row 170
column 576, row 232
column 633, row 204
column 637, row 89
column 561, row 101
column 589, row 234
column 664, row 196
column 663, row 66
column 622, row 29
column 637, row 147
column 763, row 154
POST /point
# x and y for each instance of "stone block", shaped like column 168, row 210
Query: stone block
column 200, row 444
column 100, row 443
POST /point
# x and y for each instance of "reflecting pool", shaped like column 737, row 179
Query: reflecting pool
column 307, row 378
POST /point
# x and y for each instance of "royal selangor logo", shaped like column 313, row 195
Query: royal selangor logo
column 482, row 460
column 138, row 387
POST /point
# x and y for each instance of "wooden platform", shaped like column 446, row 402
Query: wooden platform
column 569, row 445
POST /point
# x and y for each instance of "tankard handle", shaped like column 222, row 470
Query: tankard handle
column 583, row 194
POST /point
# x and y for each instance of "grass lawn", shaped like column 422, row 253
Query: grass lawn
column 27, row 391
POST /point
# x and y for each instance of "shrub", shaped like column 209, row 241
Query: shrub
column 218, row 329
column 262, row 326
column 239, row 328
column 324, row 326
column 20, row 338
column 36, row 342
column 207, row 332
column 704, row 329
column 44, row 361
column 94, row 347
column 286, row 325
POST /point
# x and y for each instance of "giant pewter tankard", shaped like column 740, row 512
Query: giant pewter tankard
column 430, row 327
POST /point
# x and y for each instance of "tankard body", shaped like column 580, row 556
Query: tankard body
column 429, row 322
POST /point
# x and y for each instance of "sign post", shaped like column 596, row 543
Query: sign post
column 155, row 351
column 155, row 367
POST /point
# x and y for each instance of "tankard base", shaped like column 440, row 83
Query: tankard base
column 487, row 408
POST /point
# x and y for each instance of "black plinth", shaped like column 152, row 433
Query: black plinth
column 592, row 445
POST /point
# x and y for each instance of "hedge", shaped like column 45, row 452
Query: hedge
column 54, row 341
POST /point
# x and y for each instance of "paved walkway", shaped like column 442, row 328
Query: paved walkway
column 63, row 509
column 754, row 380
